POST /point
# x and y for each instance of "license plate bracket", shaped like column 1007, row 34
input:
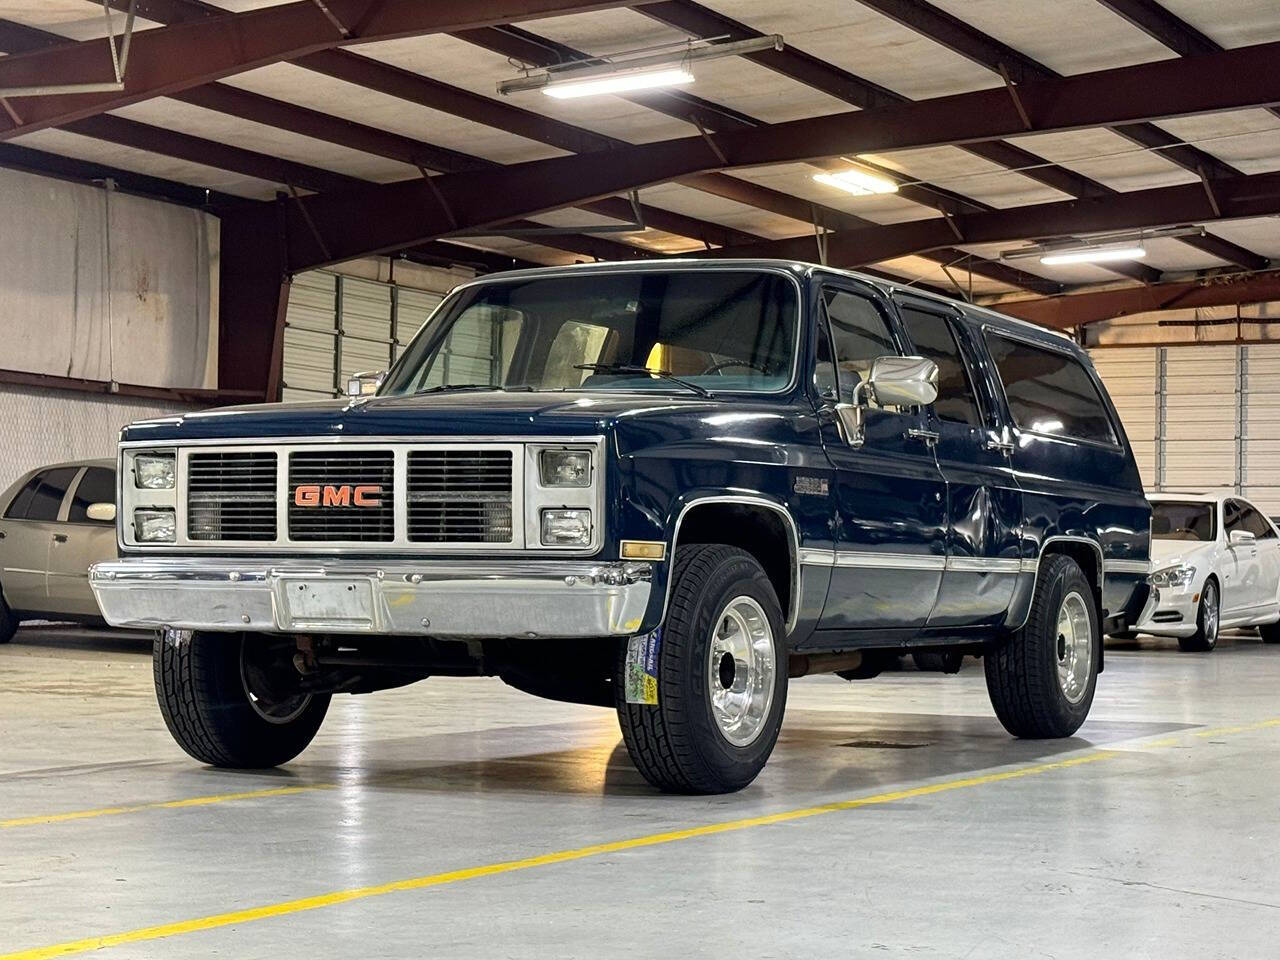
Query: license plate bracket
column 322, row 603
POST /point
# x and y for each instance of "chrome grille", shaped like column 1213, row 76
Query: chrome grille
column 342, row 477
column 460, row 496
column 231, row 496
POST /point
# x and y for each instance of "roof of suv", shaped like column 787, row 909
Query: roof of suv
column 800, row 271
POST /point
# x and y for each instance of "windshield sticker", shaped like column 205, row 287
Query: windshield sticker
column 640, row 676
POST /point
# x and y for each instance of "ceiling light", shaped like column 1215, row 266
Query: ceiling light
column 665, row 65
column 1093, row 255
column 858, row 182
column 619, row 83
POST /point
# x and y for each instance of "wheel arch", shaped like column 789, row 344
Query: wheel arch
column 754, row 523
column 1086, row 552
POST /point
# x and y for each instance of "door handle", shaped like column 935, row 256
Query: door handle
column 1004, row 446
column 59, row 538
column 918, row 433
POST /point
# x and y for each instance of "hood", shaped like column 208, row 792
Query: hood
column 470, row 414
column 1167, row 553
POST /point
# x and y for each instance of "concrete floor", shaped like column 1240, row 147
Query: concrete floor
column 1151, row 834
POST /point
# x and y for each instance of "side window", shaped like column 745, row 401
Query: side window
column 1231, row 519
column 42, row 497
column 1050, row 391
column 935, row 339
column 859, row 334
column 1255, row 522
column 18, row 508
column 98, row 485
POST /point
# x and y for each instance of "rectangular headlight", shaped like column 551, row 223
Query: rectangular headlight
column 566, row 528
column 154, row 471
column 155, row 525
column 565, row 468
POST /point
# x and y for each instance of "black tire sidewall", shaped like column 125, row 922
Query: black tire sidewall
column 1071, row 579
column 207, row 709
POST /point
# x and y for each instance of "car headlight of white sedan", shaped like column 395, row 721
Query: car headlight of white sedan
column 1178, row 575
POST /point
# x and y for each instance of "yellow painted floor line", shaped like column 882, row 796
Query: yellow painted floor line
column 161, row 805
column 304, row 904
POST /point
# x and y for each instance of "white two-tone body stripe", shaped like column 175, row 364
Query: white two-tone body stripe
column 912, row 561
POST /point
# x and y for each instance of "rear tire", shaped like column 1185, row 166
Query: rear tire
column 932, row 661
column 228, row 704
column 1207, row 616
column 1270, row 632
column 8, row 622
column 722, row 677
column 1042, row 679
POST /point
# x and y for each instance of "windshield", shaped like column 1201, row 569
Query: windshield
column 1173, row 520
column 703, row 330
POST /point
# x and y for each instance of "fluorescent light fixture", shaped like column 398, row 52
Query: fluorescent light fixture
column 620, row 83
column 858, row 182
column 665, row 65
column 1093, row 255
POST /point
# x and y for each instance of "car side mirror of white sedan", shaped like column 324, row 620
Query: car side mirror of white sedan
column 102, row 512
column 1242, row 538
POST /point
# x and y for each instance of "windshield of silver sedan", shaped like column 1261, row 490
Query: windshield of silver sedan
column 1179, row 520
column 695, row 331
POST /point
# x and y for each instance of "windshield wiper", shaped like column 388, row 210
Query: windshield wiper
column 524, row 387
column 629, row 368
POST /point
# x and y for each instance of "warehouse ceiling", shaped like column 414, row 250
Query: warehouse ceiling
column 1000, row 121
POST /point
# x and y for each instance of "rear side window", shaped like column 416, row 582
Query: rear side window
column 935, row 340
column 42, row 496
column 1049, row 391
column 98, row 485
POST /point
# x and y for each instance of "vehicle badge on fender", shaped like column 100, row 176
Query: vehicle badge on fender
column 338, row 495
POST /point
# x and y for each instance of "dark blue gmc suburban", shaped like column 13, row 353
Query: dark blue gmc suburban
column 665, row 489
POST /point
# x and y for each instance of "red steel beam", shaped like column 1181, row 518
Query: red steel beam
column 1238, row 197
column 966, row 40
column 396, row 215
column 1073, row 310
column 169, row 59
column 860, row 92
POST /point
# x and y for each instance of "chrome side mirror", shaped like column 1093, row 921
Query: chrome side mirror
column 101, row 512
column 893, row 382
column 903, row 381
column 366, row 383
column 1242, row 538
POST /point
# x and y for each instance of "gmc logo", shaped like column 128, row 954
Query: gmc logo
column 341, row 495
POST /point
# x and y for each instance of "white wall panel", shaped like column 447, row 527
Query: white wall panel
column 106, row 286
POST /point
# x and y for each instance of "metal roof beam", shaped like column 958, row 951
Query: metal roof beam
column 168, row 59
column 1236, row 198
column 966, row 40
column 1076, row 309
column 392, row 216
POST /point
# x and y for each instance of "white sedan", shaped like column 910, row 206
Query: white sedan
column 1215, row 563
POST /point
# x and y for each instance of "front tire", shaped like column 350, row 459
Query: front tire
column 1270, row 632
column 231, row 700
column 722, row 677
column 1042, row 679
column 1207, row 617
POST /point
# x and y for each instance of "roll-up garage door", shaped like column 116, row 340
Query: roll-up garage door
column 1202, row 419
column 337, row 326
column 1130, row 376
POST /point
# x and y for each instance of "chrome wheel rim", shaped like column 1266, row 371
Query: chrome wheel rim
column 1209, row 600
column 1075, row 647
column 270, row 707
column 741, row 665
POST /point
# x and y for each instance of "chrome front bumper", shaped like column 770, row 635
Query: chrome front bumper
column 454, row 599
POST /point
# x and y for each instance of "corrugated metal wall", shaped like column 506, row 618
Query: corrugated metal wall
column 1201, row 418
column 42, row 426
column 338, row 325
